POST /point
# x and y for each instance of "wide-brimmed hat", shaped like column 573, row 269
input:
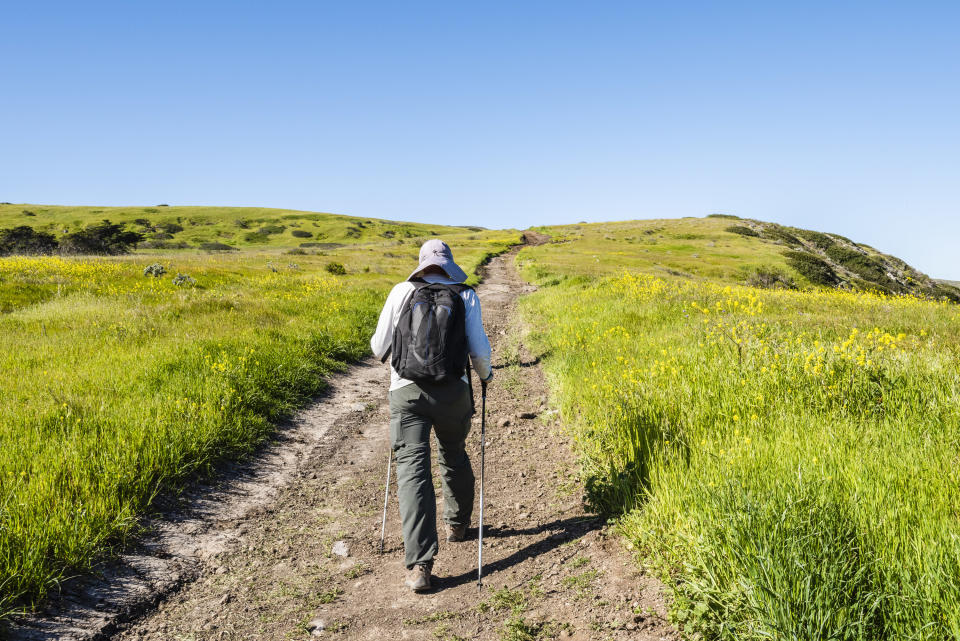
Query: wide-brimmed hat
column 436, row 252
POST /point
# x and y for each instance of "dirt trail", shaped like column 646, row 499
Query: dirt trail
column 289, row 549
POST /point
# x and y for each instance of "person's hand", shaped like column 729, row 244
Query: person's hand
column 484, row 381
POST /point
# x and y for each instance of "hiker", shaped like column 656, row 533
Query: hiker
column 436, row 393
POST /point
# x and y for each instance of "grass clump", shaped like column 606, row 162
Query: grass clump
column 336, row 269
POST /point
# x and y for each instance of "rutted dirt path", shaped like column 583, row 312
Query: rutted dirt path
column 291, row 550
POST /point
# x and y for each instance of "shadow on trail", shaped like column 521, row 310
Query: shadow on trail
column 532, row 363
column 561, row 531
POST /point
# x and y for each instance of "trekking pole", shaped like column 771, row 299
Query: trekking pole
column 386, row 499
column 483, row 439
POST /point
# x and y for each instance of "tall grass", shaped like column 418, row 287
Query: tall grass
column 116, row 385
column 786, row 461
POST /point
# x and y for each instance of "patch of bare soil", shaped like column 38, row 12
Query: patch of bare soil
column 290, row 549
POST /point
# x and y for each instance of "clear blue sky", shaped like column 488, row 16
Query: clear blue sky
column 841, row 117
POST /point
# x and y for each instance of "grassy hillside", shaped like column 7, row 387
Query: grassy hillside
column 786, row 459
column 733, row 250
column 123, row 376
column 188, row 228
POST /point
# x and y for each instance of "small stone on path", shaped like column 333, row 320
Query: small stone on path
column 316, row 627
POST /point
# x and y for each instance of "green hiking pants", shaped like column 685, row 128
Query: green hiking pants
column 414, row 409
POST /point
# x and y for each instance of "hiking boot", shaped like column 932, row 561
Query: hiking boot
column 455, row 533
column 418, row 578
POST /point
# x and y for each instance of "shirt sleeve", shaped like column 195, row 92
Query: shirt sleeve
column 383, row 338
column 476, row 336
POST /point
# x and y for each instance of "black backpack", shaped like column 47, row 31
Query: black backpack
column 430, row 339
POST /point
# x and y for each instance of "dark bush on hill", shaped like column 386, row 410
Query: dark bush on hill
column 818, row 240
column 102, row 238
column 256, row 237
column 322, row 245
column 776, row 232
column 26, row 240
column 161, row 235
column 170, row 228
column 731, row 216
column 217, row 247
column 354, row 232
column 27, row 212
column 867, row 267
column 742, row 230
column 150, row 210
column 336, row 268
column 163, row 205
column 868, row 286
column 162, row 244
column 814, row 269
column 945, row 291
column 300, row 233
column 143, row 222
column 770, row 278
column 388, row 233
column 266, row 230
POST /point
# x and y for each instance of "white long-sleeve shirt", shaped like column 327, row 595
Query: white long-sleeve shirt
column 477, row 342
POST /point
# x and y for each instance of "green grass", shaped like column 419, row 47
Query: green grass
column 116, row 385
column 787, row 461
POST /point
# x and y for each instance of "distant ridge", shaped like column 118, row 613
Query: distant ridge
column 833, row 260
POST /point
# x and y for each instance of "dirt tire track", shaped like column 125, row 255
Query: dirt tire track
column 255, row 558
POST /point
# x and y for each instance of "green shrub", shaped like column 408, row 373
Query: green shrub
column 255, row 237
column 182, row 280
column 102, row 238
column 25, row 240
column 300, row 233
column 214, row 246
column 770, row 278
column 266, row 230
column 156, row 270
column 776, row 232
column 336, row 268
column 27, row 212
column 742, row 230
column 731, row 216
column 170, row 228
column 815, row 270
column 869, row 268
column 815, row 238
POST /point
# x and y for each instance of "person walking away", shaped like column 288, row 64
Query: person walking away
column 429, row 325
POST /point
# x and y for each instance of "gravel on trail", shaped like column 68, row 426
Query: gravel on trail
column 285, row 546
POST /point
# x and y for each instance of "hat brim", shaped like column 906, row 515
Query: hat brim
column 451, row 268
